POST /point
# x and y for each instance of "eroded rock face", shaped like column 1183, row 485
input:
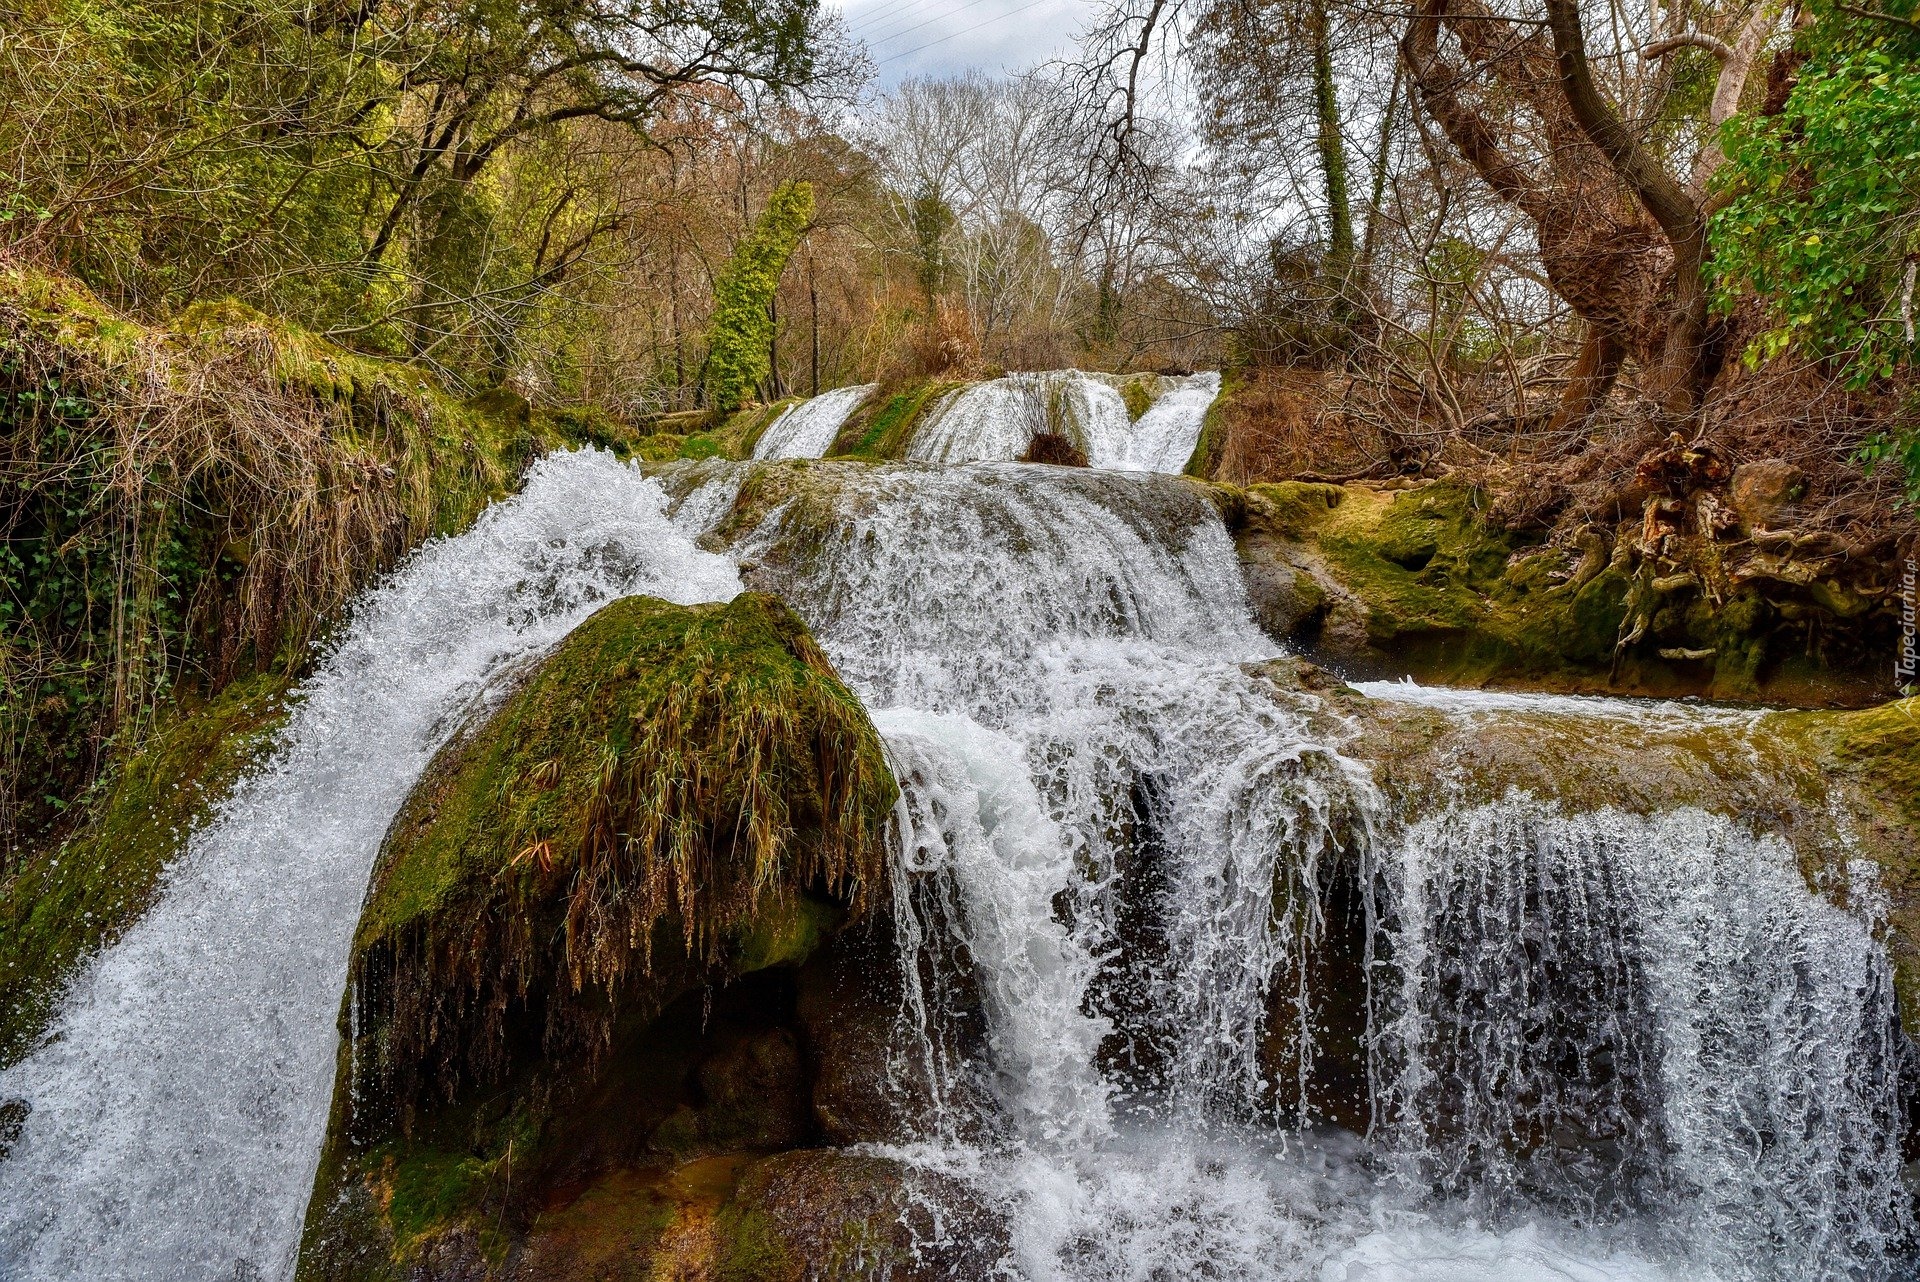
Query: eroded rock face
column 1700, row 596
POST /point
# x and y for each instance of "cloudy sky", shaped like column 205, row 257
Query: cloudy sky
column 917, row 37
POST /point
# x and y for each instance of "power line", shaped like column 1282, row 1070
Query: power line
column 895, row 35
column 884, row 14
column 953, row 35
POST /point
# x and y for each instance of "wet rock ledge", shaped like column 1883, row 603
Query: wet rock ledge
column 1700, row 595
column 614, row 987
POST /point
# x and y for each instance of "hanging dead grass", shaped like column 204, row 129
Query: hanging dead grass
column 189, row 503
column 645, row 811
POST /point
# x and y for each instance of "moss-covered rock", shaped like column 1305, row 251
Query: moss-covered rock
column 671, row 775
column 573, row 979
column 1414, row 579
column 883, row 425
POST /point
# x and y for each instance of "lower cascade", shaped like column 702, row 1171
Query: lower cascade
column 1199, row 963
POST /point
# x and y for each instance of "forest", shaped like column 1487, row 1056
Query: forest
column 1530, row 248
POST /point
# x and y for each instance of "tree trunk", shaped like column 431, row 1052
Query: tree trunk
column 1332, row 150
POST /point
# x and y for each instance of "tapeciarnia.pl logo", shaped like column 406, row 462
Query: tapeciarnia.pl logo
column 1908, row 658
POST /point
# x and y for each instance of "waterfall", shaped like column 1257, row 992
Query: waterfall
column 1663, row 1014
column 1196, row 994
column 179, row 1103
column 807, row 429
column 1596, row 1044
column 1163, row 438
column 996, row 420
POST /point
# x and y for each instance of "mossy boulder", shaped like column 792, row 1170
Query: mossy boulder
column 883, row 425
column 671, row 780
column 574, row 976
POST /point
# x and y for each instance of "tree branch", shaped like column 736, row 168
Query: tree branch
column 1657, row 190
column 1691, row 39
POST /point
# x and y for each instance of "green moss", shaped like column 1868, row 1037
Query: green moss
column 883, row 426
column 1296, row 508
column 1418, row 558
column 658, row 447
column 1883, row 744
column 66, row 903
column 786, row 933
column 426, row 1188
column 1210, row 446
column 703, row 446
column 1139, row 392
column 751, row 1248
column 1871, row 759
column 697, row 765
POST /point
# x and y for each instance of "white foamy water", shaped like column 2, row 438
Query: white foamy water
column 996, row 420
column 1600, row 1045
column 1596, row 1045
column 807, row 429
column 1163, row 438
column 179, row 1105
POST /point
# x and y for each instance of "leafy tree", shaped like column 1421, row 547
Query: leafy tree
column 741, row 332
column 1824, row 221
column 1825, row 214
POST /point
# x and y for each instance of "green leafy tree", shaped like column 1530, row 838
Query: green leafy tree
column 738, row 355
column 1823, row 225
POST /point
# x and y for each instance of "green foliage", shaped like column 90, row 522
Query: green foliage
column 1824, row 223
column 738, row 353
column 931, row 218
column 1900, row 449
column 439, row 180
column 1827, row 199
column 188, row 505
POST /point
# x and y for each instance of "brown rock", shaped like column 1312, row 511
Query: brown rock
column 1765, row 491
column 821, row 1214
column 754, row 1092
column 864, row 1089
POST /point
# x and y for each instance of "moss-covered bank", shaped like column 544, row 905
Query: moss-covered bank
column 189, row 508
column 1415, row 579
column 61, row 906
column 575, row 1029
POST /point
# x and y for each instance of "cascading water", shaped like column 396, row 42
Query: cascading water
column 1664, row 1019
column 996, row 420
column 1598, row 1045
column 807, row 429
column 1163, row 438
column 179, row 1104
column 1594, row 1044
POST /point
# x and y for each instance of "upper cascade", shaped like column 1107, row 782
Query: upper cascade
column 806, row 430
column 996, row 421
